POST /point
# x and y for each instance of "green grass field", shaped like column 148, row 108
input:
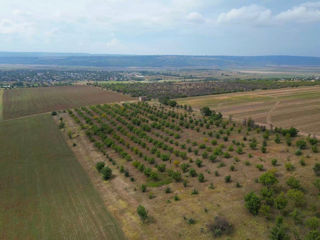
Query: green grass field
column 21, row 102
column 44, row 191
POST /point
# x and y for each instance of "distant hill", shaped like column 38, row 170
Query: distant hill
column 145, row 61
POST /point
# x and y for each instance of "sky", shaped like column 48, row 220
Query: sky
column 184, row 27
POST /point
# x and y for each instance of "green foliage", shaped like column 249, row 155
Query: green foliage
column 260, row 167
column 313, row 223
column 281, row 201
column 301, row 144
column 99, row 166
column 279, row 231
column 317, row 184
column 201, row 177
column 316, row 169
column 289, row 166
column 293, row 183
column 199, row 163
column 106, row 173
column 192, row 172
column 268, row 179
column 252, row 203
column 313, row 235
column 142, row 212
column 143, row 188
column 205, row 111
column 227, row 179
column 274, row 162
column 297, row 197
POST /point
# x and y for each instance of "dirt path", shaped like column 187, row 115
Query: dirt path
column 269, row 115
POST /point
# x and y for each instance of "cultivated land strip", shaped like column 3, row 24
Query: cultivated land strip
column 1, row 104
column 45, row 193
column 27, row 101
column 297, row 107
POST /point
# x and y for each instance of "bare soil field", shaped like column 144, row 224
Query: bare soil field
column 119, row 136
column 44, row 191
column 27, row 101
column 298, row 107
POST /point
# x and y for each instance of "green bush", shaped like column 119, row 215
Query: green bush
column 192, row 172
column 297, row 197
column 316, row 169
column 313, row 223
column 106, row 173
column 281, row 201
column 252, row 203
column 279, row 231
column 227, row 179
column 301, row 144
column 293, row 183
column 201, row 177
column 99, row 166
column 142, row 212
column 268, row 179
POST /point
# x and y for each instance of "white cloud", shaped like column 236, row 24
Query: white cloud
column 307, row 12
column 253, row 14
column 195, row 17
column 7, row 26
column 259, row 15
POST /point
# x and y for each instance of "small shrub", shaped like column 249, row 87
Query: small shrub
column 313, row 223
column 279, row 232
column 317, row 184
column 227, row 179
column 289, row 166
column 260, row 167
column 268, row 179
column 274, row 162
column 316, row 169
column 194, row 192
column 142, row 212
column 192, row 172
column 301, row 144
column 106, row 173
column 252, row 203
column 297, row 196
column 143, row 188
column 293, row 183
column 220, row 227
column 201, row 177
column 99, row 166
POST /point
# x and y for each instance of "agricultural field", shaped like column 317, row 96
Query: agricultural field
column 1, row 103
column 175, row 174
column 180, row 89
column 45, row 193
column 298, row 107
column 27, row 101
